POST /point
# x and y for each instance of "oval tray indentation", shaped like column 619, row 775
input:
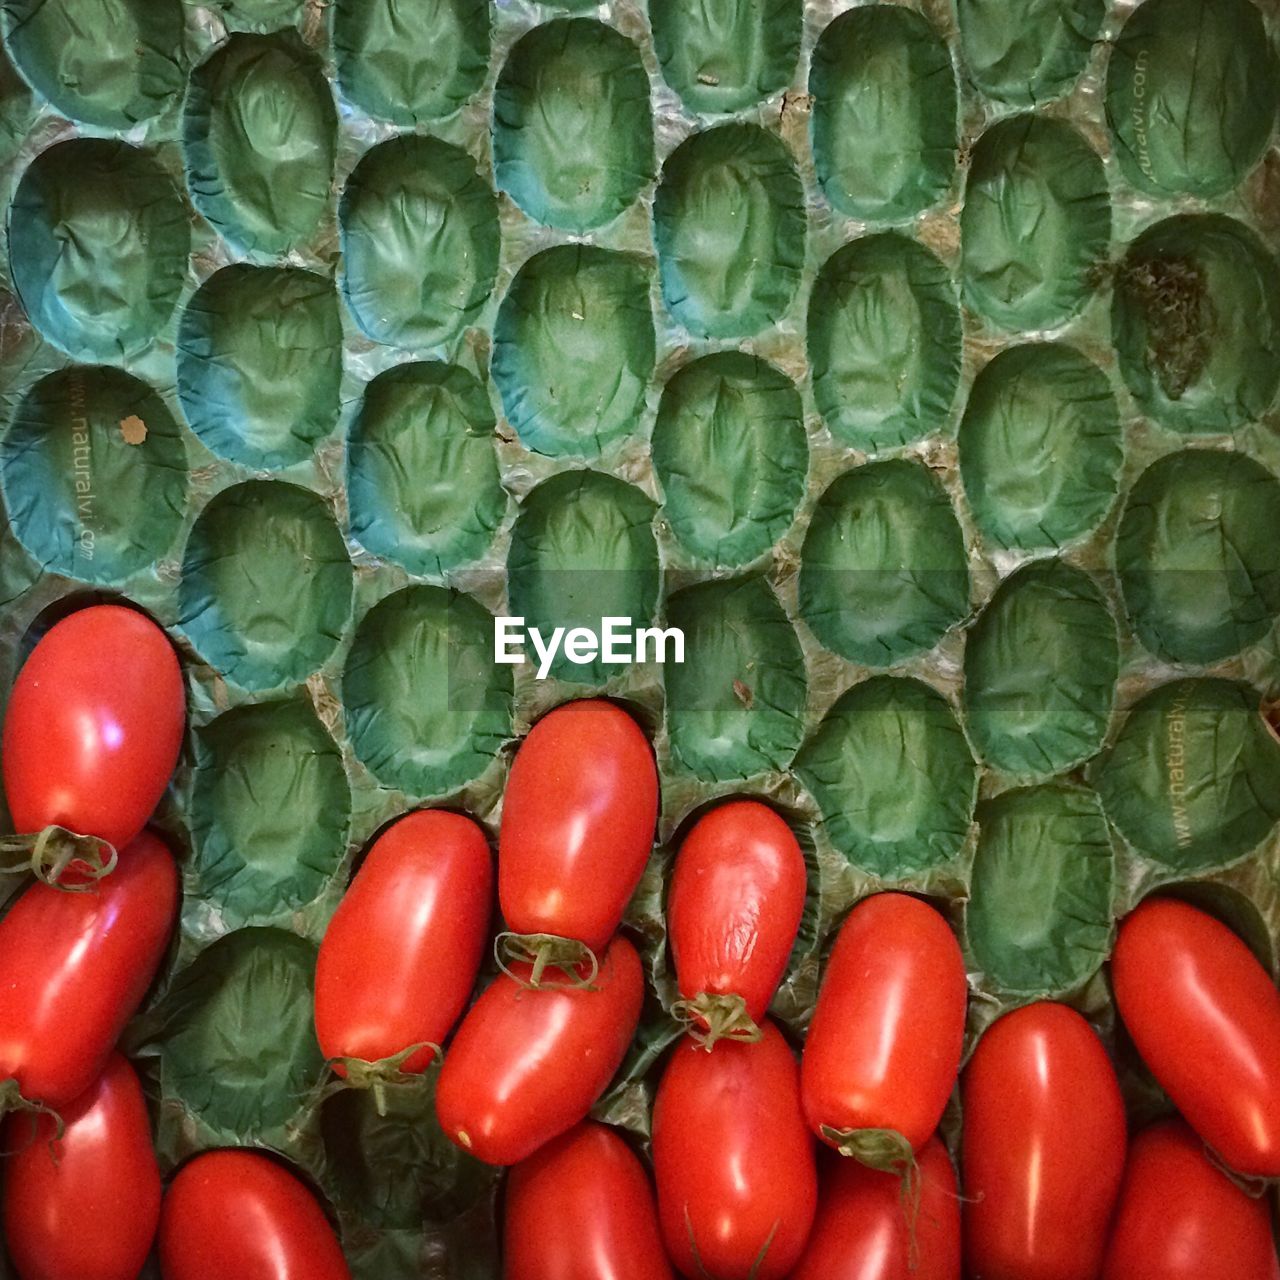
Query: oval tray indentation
column 94, row 474
column 420, row 241
column 884, row 113
column 266, row 584
column 260, row 138
column 729, row 223
column 883, row 570
column 572, row 130
column 730, row 450
column 98, row 245
column 427, row 707
column 422, row 475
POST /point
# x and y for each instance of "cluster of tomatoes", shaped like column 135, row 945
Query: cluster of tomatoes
column 764, row 1166
column 1052, row 1188
column 92, row 733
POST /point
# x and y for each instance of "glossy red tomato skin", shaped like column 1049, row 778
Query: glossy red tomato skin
column 90, row 1214
column 1205, row 1017
column 737, row 894
column 526, row 1066
column 1043, row 1148
column 733, row 1160
column 581, row 1208
column 403, row 949
column 884, row 1046
column 74, row 968
column 1180, row 1218
column 94, row 725
column 578, row 820
column 240, row 1214
column 862, row 1232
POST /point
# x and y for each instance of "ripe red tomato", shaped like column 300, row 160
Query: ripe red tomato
column 91, row 1213
column 1180, row 1218
column 581, row 1208
column 402, row 951
column 578, row 819
column 93, row 726
column 525, row 1066
column 75, row 966
column 239, row 1213
column 885, row 1043
column 862, row 1231
column 733, row 1159
column 1043, row 1148
column 1206, row 1018
column 737, row 893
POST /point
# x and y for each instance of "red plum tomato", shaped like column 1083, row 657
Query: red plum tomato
column 94, row 725
column 1181, row 1218
column 74, row 968
column 1043, row 1148
column 864, row 1228
column 737, row 893
column 526, row 1066
column 241, row 1214
column 578, row 819
column 581, row 1208
column 401, row 954
column 86, row 1206
column 884, row 1046
column 733, row 1159
column 1205, row 1016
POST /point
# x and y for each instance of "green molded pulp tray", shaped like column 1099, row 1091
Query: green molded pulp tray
column 918, row 360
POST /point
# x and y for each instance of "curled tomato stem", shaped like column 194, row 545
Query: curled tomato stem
column 717, row 1017
column 50, row 853
column 543, row 951
column 12, row 1099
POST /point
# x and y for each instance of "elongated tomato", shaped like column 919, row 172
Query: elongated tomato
column 1180, row 1218
column 525, row 1066
column 402, row 951
column 1043, row 1148
column 75, row 966
column 87, row 1206
column 1206, row 1018
column 578, row 819
column 737, row 893
column 581, row 1208
column 863, row 1230
column 733, row 1159
column 885, row 1043
column 240, row 1214
column 93, row 726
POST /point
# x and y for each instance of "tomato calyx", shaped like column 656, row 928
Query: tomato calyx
column 12, row 1099
column 885, row 1150
column 717, row 1017
column 378, row 1075
column 52, row 852
column 543, row 951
